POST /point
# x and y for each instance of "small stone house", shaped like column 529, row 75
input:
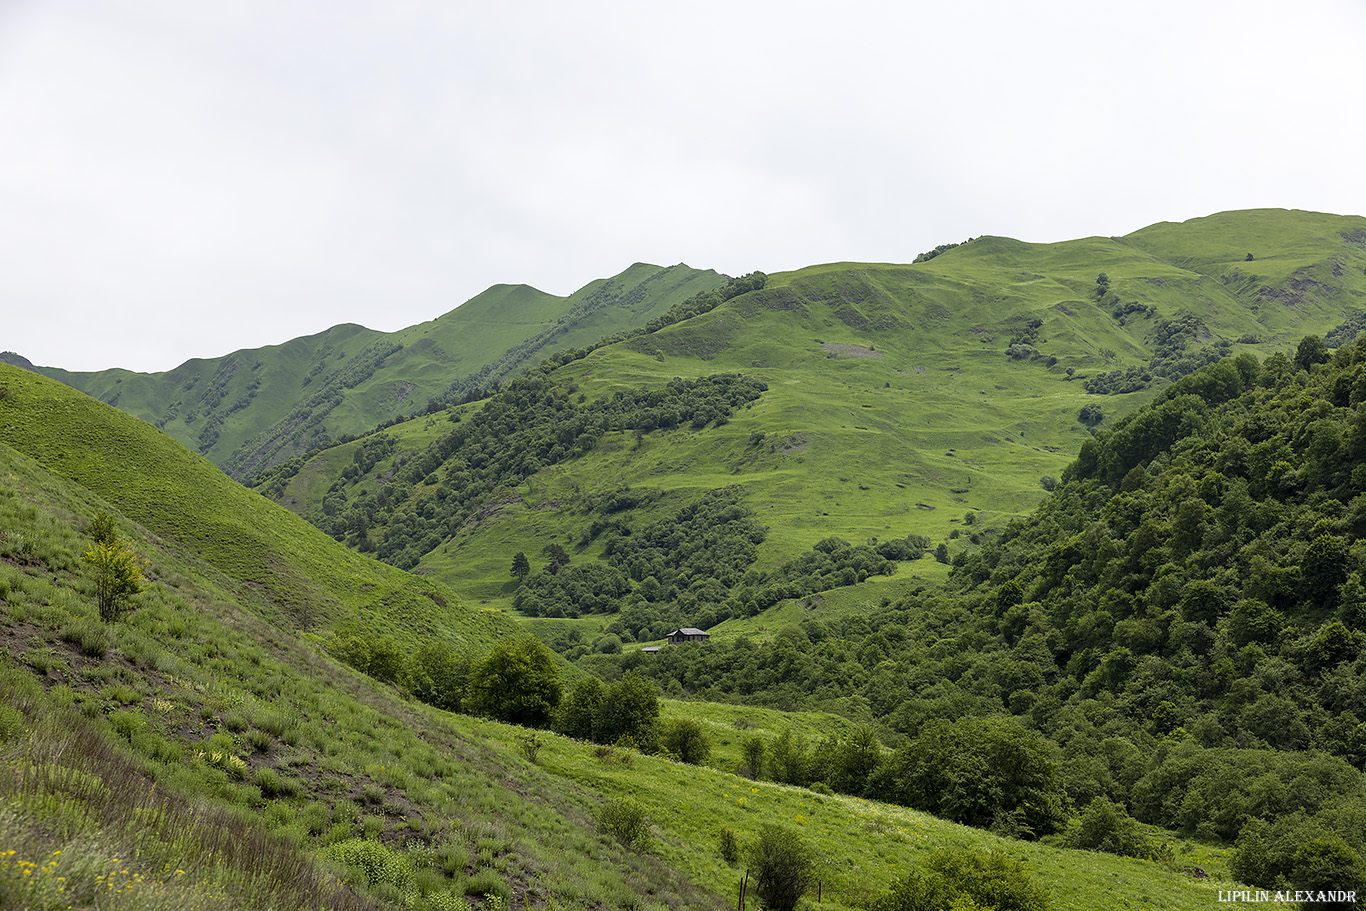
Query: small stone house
column 688, row 634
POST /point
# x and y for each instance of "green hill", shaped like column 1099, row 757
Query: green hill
column 198, row 753
column 251, row 409
column 934, row 399
column 1183, row 619
column 286, row 570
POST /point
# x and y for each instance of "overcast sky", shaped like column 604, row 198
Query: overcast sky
column 181, row 179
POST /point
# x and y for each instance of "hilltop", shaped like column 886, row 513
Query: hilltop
column 892, row 403
column 253, row 408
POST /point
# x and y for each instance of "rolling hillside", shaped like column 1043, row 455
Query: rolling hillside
column 251, row 409
column 200, row 753
column 931, row 399
column 284, row 569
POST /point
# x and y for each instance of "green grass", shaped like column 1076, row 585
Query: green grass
column 892, row 408
column 290, row 572
column 210, row 740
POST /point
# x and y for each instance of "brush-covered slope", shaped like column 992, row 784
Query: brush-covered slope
column 898, row 400
column 197, row 755
column 290, row 572
column 1184, row 618
column 254, row 408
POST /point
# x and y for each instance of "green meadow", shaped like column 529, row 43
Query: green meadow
column 205, row 752
column 893, row 405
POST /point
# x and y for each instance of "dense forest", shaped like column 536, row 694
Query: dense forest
column 1173, row 638
column 1178, row 630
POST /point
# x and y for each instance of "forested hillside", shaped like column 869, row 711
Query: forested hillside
column 252, row 409
column 900, row 409
column 176, row 732
column 1182, row 621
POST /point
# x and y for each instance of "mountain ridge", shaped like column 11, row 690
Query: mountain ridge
column 251, row 408
column 900, row 398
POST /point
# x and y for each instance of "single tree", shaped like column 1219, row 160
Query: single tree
column 685, row 739
column 521, row 566
column 1311, row 351
column 517, row 682
column 118, row 577
column 557, row 556
column 782, row 867
column 630, row 708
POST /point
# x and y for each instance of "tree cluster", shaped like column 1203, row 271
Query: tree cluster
column 1180, row 627
column 534, row 422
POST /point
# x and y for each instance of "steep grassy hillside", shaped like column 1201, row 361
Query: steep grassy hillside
column 197, row 754
column 284, row 568
column 254, row 408
column 932, row 399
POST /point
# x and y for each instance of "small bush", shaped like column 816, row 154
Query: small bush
column 273, row 784
column 488, row 883
column 1106, row 826
column 782, row 867
column 966, row 878
column 685, row 739
column 624, row 819
column 89, row 636
column 531, row 746
column 728, row 847
column 374, row 863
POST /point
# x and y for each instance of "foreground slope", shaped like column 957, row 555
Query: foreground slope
column 929, row 399
column 250, row 409
column 197, row 755
column 290, row 573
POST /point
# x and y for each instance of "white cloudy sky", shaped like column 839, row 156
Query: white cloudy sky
column 180, row 178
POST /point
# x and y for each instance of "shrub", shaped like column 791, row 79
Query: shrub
column 517, row 682
column 727, row 846
column 987, row 772
column 1106, row 826
column 375, row 863
column 577, row 712
column 966, row 878
column 531, row 746
column 273, row 784
column 629, row 708
column 684, row 738
column 782, row 866
column 117, row 575
column 753, row 751
column 488, row 883
column 102, row 529
column 89, row 636
column 624, row 819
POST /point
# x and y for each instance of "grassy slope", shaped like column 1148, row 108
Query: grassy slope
column 218, row 393
column 930, row 420
column 196, row 675
column 293, row 573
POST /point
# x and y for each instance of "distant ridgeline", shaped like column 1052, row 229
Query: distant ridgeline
column 486, row 380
